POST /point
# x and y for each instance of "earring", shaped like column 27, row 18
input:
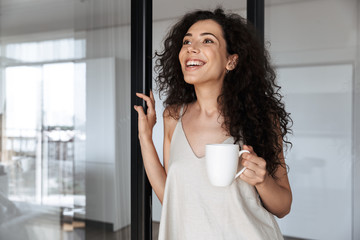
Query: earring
column 227, row 70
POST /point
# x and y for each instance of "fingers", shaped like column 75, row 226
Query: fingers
column 254, row 159
column 255, row 172
column 250, row 177
column 150, row 101
column 252, row 156
column 140, row 111
column 258, row 169
column 152, row 96
column 249, row 148
column 150, row 115
column 253, row 177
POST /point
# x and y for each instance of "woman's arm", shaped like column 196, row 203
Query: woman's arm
column 153, row 168
column 169, row 127
column 275, row 193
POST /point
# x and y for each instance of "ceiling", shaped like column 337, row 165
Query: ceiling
column 22, row 17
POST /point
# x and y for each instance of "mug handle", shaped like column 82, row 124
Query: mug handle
column 243, row 169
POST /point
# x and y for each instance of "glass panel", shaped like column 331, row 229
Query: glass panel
column 65, row 119
column 322, row 149
column 51, row 50
column 22, row 133
column 58, row 134
column 316, row 59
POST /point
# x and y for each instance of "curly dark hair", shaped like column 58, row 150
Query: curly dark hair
column 250, row 101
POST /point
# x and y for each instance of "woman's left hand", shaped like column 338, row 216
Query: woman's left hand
column 255, row 172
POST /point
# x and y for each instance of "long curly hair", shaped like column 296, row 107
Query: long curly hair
column 250, row 101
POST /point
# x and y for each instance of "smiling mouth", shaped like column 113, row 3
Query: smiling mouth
column 194, row 64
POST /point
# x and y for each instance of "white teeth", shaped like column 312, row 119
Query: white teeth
column 194, row 63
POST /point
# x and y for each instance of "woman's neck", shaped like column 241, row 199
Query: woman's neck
column 207, row 99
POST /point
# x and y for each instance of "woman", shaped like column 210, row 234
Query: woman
column 220, row 88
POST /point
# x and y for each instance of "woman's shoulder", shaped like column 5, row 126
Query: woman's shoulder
column 171, row 116
column 173, row 112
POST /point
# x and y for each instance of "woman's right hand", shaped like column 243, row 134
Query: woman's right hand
column 147, row 121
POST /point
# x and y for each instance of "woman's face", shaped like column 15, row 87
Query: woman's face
column 203, row 56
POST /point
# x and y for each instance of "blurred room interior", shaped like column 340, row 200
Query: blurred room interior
column 65, row 114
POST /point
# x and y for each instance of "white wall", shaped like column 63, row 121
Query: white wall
column 319, row 39
column 320, row 100
column 312, row 32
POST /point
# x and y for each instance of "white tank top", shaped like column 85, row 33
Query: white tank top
column 193, row 209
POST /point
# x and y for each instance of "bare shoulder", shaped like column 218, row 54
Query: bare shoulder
column 169, row 120
column 169, row 126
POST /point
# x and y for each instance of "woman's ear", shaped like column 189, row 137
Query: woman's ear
column 232, row 62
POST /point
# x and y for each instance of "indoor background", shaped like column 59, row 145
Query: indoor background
column 65, row 114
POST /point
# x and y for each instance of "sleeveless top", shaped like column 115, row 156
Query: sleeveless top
column 193, row 209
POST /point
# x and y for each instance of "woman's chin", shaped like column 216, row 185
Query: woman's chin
column 191, row 80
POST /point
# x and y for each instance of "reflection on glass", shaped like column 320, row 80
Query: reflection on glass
column 37, row 167
column 58, row 134
column 20, row 156
column 40, row 150
column 44, row 51
column 49, row 187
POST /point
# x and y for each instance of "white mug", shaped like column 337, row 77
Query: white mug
column 222, row 163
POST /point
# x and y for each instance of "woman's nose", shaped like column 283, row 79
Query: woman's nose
column 193, row 48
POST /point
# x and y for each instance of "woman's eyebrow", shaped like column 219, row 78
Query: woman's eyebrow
column 201, row 34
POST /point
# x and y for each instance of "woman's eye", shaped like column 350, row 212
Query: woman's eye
column 186, row 42
column 208, row 41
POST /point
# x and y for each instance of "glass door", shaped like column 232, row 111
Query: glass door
column 65, row 119
column 21, row 155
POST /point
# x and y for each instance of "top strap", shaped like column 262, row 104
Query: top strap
column 181, row 111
